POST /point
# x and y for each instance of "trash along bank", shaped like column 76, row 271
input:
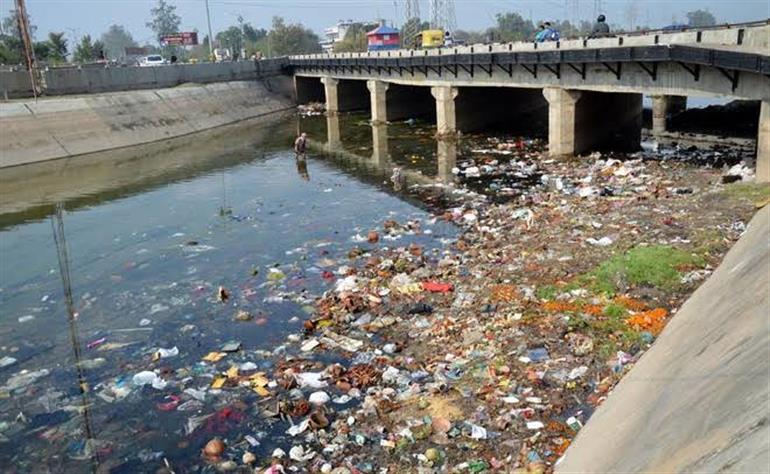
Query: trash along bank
column 697, row 402
column 403, row 346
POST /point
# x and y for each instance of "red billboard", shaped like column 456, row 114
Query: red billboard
column 187, row 38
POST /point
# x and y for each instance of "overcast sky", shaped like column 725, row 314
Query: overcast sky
column 78, row 17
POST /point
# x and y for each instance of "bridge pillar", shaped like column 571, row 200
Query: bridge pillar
column 447, row 159
column 379, row 100
column 580, row 121
column 662, row 107
column 332, row 95
column 561, row 120
column 446, row 116
column 763, row 144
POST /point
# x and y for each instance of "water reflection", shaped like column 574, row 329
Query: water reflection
column 382, row 157
column 446, row 153
column 333, row 140
column 60, row 242
column 380, row 152
column 30, row 192
column 302, row 167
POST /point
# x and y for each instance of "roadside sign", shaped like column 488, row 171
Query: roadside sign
column 187, row 38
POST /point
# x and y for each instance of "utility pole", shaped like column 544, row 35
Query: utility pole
column 29, row 50
column 211, row 37
column 411, row 24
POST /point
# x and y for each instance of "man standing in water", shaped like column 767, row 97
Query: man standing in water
column 300, row 144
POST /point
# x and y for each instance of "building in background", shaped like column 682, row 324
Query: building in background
column 335, row 34
column 383, row 37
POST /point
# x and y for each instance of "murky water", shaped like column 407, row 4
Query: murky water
column 144, row 246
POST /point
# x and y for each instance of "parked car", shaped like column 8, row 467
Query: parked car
column 152, row 60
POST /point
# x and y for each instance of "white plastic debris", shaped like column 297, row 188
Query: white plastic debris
column 319, row 398
column 478, row 432
column 148, row 377
column 165, row 353
column 603, row 242
column 310, row 380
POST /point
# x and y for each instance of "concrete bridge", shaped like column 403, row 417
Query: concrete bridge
column 588, row 91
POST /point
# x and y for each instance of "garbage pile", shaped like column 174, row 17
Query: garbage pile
column 311, row 109
column 487, row 353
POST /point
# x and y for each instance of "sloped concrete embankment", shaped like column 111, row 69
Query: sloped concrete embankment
column 698, row 401
column 70, row 126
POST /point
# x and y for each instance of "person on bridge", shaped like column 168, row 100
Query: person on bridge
column 552, row 34
column 601, row 28
column 300, row 144
column 541, row 34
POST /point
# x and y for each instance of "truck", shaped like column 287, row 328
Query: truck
column 427, row 39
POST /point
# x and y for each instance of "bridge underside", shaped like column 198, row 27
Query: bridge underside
column 578, row 120
column 501, row 108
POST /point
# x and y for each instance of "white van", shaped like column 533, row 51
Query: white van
column 152, row 60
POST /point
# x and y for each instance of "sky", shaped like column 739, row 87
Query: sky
column 79, row 17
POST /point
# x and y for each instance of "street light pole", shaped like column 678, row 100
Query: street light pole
column 211, row 37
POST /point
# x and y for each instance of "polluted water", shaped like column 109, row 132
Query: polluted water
column 408, row 307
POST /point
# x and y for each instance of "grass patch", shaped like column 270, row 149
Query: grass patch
column 615, row 310
column 654, row 266
column 546, row 292
column 758, row 193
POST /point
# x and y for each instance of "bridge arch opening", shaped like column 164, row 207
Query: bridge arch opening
column 504, row 109
column 410, row 102
column 308, row 89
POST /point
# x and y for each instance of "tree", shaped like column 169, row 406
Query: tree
column 88, row 51
column 11, row 47
column 355, row 38
column 285, row 39
column 252, row 34
column 42, row 50
column 10, row 25
column 232, row 39
column 700, row 18
column 99, row 53
column 469, row 37
column 410, row 29
column 164, row 21
column 511, row 27
column 58, row 47
column 116, row 39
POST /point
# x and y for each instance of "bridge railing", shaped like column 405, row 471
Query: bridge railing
column 754, row 35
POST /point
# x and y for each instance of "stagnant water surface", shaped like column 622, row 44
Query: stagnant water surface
column 144, row 256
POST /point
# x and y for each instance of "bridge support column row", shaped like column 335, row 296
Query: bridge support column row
column 580, row 121
column 662, row 107
column 446, row 115
column 763, row 144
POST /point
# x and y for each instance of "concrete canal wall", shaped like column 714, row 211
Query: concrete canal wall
column 92, row 79
column 62, row 127
column 698, row 400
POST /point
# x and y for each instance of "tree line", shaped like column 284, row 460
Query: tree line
column 242, row 38
column 281, row 39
